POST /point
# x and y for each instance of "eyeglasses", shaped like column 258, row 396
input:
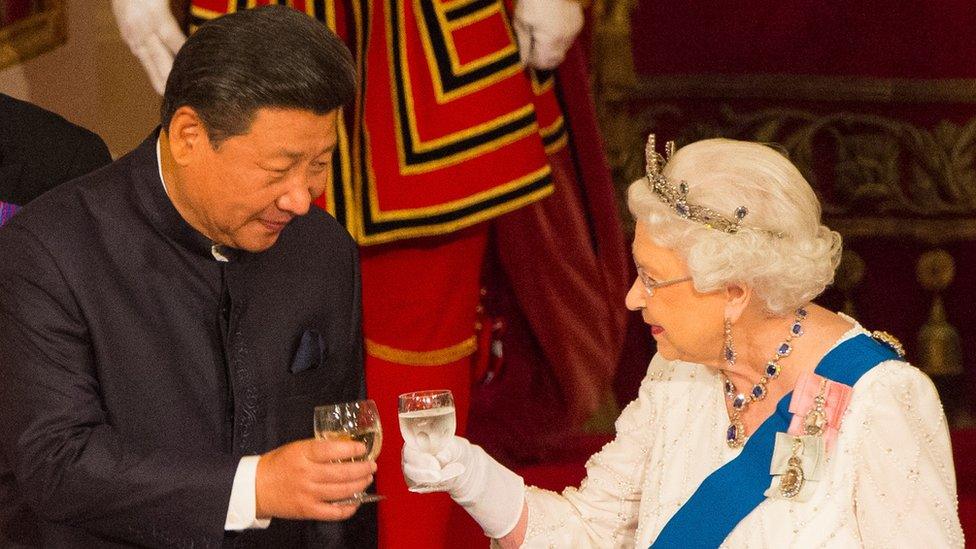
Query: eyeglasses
column 650, row 284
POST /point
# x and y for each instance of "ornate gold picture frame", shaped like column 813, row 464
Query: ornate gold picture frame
column 29, row 28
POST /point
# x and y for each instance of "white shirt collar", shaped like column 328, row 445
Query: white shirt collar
column 215, row 248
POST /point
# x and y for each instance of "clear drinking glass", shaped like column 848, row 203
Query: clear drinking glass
column 427, row 422
column 357, row 420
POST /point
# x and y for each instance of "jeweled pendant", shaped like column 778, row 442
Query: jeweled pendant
column 814, row 422
column 735, row 434
column 791, row 482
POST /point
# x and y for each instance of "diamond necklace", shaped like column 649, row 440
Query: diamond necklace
column 736, row 433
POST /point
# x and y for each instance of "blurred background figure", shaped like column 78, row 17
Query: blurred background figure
column 40, row 150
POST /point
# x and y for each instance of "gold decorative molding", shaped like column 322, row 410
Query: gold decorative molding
column 876, row 175
column 38, row 33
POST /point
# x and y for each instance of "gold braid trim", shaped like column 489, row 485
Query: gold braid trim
column 437, row 357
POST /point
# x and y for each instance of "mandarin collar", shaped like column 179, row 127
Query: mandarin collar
column 161, row 212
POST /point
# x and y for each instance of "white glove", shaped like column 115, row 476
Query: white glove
column 489, row 492
column 152, row 34
column 545, row 29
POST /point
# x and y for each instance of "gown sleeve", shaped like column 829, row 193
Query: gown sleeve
column 905, row 485
column 603, row 510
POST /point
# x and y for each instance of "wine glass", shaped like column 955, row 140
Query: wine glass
column 358, row 421
column 427, row 422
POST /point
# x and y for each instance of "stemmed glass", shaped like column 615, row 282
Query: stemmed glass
column 359, row 421
column 427, row 423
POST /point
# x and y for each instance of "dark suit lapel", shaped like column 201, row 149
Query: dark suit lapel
column 10, row 182
column 11, row 169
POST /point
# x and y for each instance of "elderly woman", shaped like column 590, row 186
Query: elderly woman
column 764, row 419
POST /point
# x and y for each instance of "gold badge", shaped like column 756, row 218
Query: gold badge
column 791, row 482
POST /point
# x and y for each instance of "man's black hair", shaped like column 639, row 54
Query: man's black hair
column 270, row 57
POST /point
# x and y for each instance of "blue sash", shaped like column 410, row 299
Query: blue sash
column 732, row 491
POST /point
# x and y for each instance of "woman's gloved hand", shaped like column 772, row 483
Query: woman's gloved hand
column 488, row 491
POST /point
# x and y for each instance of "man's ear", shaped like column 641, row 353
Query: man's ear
column 737, row 297
column 187, row 136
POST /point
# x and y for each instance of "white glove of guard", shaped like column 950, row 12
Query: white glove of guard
column 489, row 492
column 152, row 34
column 545, row 29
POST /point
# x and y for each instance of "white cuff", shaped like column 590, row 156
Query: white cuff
column 243, row 500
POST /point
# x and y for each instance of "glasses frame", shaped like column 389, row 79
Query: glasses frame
column 650, row 286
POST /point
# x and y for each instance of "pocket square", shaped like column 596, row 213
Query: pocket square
column 311, row 350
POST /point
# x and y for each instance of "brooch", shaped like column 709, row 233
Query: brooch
column 791, row 482
column 796, row 466
column 889, row 340
column 817, row 406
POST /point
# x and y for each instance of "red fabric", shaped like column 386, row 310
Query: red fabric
column 404, row 283
column 892, row 39
column 600, row 201
column 556, row 279
column 420, row 297
column 437, row 118
column 546, row 251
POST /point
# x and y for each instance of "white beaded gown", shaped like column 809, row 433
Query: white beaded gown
column 888, row 481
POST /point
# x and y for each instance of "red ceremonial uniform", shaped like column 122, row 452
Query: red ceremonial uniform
column 448, row 131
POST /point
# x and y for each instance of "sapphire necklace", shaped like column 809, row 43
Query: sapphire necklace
column 735, row 435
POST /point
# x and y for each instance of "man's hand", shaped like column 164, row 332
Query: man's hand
column 299, row 479
column 545, row 30
column 152, row 34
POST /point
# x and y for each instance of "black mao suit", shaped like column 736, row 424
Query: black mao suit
column 137, row 368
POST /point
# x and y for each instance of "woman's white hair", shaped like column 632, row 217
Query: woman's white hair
column 785, row 270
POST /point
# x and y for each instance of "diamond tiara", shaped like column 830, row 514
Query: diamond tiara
column 677, row 196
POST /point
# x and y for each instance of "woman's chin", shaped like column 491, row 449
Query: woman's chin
column 668, row 351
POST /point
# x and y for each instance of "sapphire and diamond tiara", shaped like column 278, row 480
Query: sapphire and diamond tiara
column 677, row 196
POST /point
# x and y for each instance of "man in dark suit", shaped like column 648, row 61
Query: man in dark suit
column 39, row 150
column 168, row 323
